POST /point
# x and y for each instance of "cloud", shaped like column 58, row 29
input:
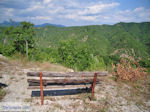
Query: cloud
column 56, row 10
column 79, row 17
column 87, row 12
column 46, row 1
column 138, row 14
column 6, row 13
column 89, row 18
column 33, row 7
column 98, row 8
column 42, row 18
column 76, row 12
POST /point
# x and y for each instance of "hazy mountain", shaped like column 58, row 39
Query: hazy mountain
column 48, row 24
column 7, row 23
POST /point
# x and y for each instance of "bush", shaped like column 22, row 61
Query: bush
column 7, row 50
column 43, row 54
column 98, row 63
column 146, row 64
column 129, row 70
column 73, row 56
column 2, row 93
column 38, row 55
column 1, row 48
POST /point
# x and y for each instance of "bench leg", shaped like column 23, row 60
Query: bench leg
column 41, row 87
column 93, row 85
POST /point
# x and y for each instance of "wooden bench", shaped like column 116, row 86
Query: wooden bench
column 44, row 80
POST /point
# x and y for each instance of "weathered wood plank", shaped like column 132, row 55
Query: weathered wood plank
column 68, row 74
column 36, row 82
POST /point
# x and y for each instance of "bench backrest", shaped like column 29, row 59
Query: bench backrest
column 62, row 80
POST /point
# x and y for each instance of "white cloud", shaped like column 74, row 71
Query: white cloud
column 41, row 18
column 35, row 20
column 47, row 1
column 98, row 8
column 139, row 9
column 6, row 14
column 8, row 11
column 86, row 12
column 33, row 7
column 70, row 16
column 138, row 14
column 89, row 18
column 76, row 17
column 56, row 10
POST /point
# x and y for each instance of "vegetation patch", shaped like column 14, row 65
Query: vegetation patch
column 2, row 93
column 84, row 48
column 129, row 70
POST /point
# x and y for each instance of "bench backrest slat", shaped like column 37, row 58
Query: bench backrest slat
column 69, row 74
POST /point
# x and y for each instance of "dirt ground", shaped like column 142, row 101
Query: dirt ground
column 110, row 96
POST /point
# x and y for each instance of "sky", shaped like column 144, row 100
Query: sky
column 75, row 12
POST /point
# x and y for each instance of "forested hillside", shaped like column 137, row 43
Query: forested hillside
column 104, row 39
column 84, row 47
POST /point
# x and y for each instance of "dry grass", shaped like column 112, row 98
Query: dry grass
column 28, row 100
column 3, row 63
column 42, row 66
column 46, row 66
column 129, row 70
column 139, row 91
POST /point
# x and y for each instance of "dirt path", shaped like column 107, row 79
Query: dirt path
column 110, row 96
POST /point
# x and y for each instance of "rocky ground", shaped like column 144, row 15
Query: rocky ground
column 111, row 96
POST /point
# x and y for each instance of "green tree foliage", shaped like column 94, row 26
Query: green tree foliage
column 79, row 57
column 83, row 48
column 107, row 41
column 104, row 39
column 74, row 56
column 6, row 44
column 24, row 38
column 17, row 39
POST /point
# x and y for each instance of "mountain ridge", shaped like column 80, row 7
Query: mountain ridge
column 102, row 38
column 13, row 23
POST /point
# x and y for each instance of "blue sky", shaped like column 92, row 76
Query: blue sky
column 75, row 12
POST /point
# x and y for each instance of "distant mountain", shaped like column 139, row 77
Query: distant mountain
column 48, row 24
column 7, row 23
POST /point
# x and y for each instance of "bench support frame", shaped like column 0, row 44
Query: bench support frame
column 41, row 87
column 93, row 85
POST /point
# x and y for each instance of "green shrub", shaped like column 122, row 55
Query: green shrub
column 7, row 50
column 1, row 48
column 73, row 56
column 98, row 63
column 2, row 93
column 145, row 63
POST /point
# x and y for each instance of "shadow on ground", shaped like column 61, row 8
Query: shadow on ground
column 3, row 85
column 61, row 92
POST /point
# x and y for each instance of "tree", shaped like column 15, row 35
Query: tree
column 73, row 56
column 7, row 34
column 24, row 38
